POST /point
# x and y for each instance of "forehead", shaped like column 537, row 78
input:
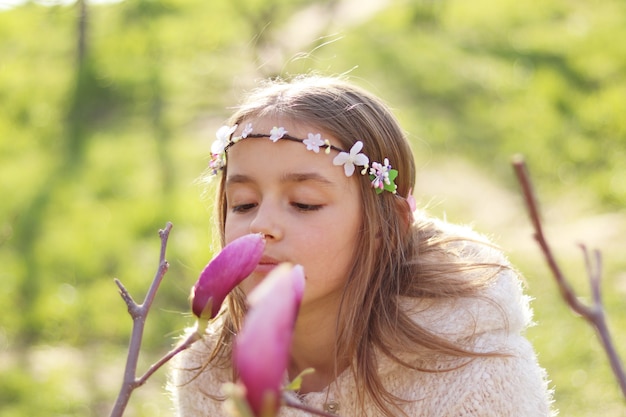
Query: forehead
column 285, row 154
column 293, row 127
column 262, row 157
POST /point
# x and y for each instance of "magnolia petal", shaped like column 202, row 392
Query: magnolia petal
column 261, row 352
column 224, row 272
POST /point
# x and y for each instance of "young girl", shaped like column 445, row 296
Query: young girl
column 402, row 315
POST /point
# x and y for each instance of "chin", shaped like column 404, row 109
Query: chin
column 250, row 283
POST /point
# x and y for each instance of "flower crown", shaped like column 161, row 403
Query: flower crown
column 381, row 175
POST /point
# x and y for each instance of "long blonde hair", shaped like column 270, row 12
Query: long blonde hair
column 395, row 256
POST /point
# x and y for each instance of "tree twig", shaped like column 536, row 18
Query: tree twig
column 190, row 340
column 139, row 313
column 593, row 314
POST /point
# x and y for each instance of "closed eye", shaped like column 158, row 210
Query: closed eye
column 307, row 207
column 242, row 208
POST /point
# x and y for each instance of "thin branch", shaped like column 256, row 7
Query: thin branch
column 594, row 315
column 594, row 272
column 139, row 313
column 163, row 267
column 128, row 299
column 194, row 337
column 566, row 290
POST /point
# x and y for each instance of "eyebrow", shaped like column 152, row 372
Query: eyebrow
column 295, row 177
column 306, row 176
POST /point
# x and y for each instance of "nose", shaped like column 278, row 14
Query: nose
column 266, row 222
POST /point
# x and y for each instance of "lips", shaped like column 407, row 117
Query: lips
column 266, row 264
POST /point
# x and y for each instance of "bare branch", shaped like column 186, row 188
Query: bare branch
column 163, row 267
column 566, row 290
column 594, row 315
column 128, row 299
column 594, row 272
column 139, row 313
column 194, row 337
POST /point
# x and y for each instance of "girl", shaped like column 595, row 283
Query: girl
column 402, row 315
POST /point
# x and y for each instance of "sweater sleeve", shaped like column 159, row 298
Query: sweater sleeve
column 195, row 389
column 508, row 386
column 509, row 383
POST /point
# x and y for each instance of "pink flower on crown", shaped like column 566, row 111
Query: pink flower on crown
column 223, row 135
column 217, row 163
column 246, row 130
column 313, row 142
column 349, row 160
column 277, row 133
column 380, row 173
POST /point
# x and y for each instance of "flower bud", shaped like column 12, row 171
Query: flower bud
column 261, row 352
column 224, row 272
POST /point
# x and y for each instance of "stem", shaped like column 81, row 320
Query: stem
column 593, row 315
column 191, row 339
column 139, row 313
column 599, row 318
column 531, row 203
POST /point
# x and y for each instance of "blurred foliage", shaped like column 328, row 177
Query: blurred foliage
column 486, row 80
column 101, row 146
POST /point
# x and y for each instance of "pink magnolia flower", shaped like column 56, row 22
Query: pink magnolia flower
column 224, row 272
column 262, row 346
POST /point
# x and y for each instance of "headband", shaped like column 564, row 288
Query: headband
column 381, row 175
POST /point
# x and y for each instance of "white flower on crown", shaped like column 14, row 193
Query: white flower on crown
column 382, row 176
column 349, row 160
column 313, row 142
column 223, row 138
column 246, row 130
column 277, row 133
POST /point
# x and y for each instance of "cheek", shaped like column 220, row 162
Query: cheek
column 335, row 246
column 234, row 229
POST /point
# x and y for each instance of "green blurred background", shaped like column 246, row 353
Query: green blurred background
column 107, row 112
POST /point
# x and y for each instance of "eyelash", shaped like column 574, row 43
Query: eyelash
column 306, row 207
column 242, row 208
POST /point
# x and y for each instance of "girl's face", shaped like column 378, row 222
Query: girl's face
column 309, row 211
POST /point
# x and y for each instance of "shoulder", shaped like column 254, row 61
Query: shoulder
column 194, row 386
column 459, row 240
column 493, row 318
column 497, row 305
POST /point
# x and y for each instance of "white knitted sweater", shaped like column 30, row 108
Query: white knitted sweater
column 505, row 386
